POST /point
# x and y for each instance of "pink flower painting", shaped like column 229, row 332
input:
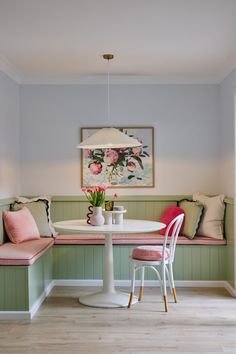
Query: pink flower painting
column 121, row 167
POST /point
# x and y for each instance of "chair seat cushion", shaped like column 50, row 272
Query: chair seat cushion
column 25, row 253
column 150, row 253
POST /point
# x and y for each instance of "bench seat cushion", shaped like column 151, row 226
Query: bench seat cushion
column 132, row 239
column 25, row 253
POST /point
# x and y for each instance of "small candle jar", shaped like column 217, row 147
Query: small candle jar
column 118, row 216
column 108, row 217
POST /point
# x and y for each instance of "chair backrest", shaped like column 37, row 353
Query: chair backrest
column 172, row 230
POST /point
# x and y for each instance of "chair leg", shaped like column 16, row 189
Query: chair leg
column 164, row 287
column 132, row 288
column 165, row 303
column 140, row 296
column 172, row 282
column 174, row 294
column 130, row 299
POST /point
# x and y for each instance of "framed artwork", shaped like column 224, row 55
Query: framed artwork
column 122, row 167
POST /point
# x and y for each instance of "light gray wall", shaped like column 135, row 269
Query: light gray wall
column 9, row 137
column 186, row 124
column 227, row 133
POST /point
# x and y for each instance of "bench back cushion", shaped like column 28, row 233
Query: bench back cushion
column 38, row 210
column 20, row 225
column 168, row 215
column 212, row 223
column 192, row 212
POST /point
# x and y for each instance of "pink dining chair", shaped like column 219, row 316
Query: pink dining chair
column 155, row 257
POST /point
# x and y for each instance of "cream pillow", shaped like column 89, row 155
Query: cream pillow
column 38, row 210
column 43, row 218
column 213, row 215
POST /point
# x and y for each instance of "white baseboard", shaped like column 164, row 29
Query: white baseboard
column 15, row 315
column 152, row 283
column 27, row 315
column 229, row 288
column 39, row 301
column 78, row 282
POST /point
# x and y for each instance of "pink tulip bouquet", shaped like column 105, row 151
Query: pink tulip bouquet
column 95, row 195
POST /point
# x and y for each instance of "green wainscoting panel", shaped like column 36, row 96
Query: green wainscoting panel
column 77, row 262
column 69, row 209
column 229, row 232
column 138, row 207
column 86, row 262
column 121, row 262
column 199, row 263
column 40, row 275
column 14, row 288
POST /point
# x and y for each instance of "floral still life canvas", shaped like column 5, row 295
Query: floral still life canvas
column 121, row 167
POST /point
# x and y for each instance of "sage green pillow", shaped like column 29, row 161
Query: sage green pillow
column 38, row 210
column 192, row 212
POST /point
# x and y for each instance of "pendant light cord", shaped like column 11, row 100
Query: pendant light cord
column 108, row 92
column 108, row 57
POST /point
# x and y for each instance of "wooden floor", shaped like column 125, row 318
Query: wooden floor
column 204, row 321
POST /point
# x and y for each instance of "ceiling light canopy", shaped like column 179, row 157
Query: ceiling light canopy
column 108, row 138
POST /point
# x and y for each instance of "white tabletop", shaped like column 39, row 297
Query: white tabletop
column 129, row 226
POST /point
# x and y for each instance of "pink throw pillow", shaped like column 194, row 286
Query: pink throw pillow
column 20, row 225
column 168, row 215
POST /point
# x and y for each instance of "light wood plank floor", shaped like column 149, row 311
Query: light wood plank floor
column 204, row 321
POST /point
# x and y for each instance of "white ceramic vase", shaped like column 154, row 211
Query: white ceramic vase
column 97, row 219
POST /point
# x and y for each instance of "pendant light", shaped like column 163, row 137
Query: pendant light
column 108, row 138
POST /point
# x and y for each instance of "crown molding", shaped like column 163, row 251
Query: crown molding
column 9, row 69
column 124, row 80
column 229, row 65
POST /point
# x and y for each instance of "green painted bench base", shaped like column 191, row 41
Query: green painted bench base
column 85, row 262
column 24, row 288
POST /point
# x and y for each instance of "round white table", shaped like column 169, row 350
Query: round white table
column 108, row 296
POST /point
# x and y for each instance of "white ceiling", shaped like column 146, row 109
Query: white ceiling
column 62, row 41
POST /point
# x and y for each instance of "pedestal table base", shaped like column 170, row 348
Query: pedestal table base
column 108, row 300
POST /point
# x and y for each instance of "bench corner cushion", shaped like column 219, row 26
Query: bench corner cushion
column 25, row 253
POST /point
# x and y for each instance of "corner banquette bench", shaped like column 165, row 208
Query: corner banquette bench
column 76, row 259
